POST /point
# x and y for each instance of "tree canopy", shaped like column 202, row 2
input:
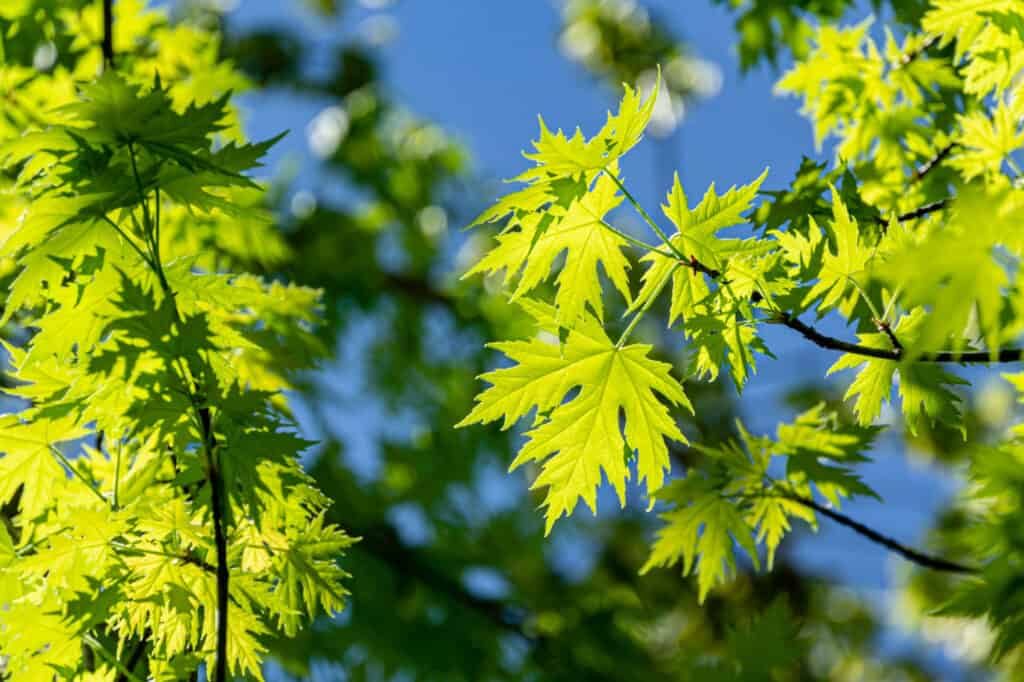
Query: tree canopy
column 179, row 333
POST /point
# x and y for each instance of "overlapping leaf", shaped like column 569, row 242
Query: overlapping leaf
column 578, row 436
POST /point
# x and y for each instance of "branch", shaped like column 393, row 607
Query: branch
column 924, row 210
column 930, row 165
column 209, row 439
column 108, row 34
column 908, row 553
column 927, row 209
column 221, row 542
column 912, row 56
column 897, row 354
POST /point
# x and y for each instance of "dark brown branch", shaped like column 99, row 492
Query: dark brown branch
column 108, row 34
column 912, row 555
column 679, row 456
column 912, row 56
column 897, row 354
column 932, row 163
column 927, row 209
column 220, row 541
column 923, row 211
column 886, row 328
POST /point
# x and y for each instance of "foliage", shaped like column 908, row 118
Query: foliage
column 159, row 516
column 143, row 349
column 911, row 242
column 622, row 42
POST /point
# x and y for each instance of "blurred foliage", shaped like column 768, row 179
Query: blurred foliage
column 620, row 41
column 452, row 579
column 454, row 585
column 767, row 28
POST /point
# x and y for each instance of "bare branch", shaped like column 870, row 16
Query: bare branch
column 898, row 354
column 912, row 555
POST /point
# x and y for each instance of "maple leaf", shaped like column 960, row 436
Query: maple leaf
column 28, row 459
column 987, row 142
column 922, row 386
column 841, row 263
column 582, row 437
column 310, row 579
column 721, row 337
column 581, row 234
column 700, row 533
column 962, row 20
column 696, row 237
column 558, row 155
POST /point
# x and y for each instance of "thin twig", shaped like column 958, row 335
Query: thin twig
column 897, row 354
column 923, row 211
column 913, row 55
column 886, row 329
column 932, row 163
column 921, row 559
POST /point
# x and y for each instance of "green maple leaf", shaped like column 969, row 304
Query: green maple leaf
column 841, row 263
column 308, row 573
column 962, row 20
column 697, row 228
column 771, row 515
column 696, row 237
column 721, row 336
column 28, row 459
column 922, row 386
column 582, row 437
column 567, row 166
column 579, row 233
column 558, row 155
column 700, row 533
column 987, row 142
column 768, row 643
column 959, row 273
column 112, row 111
column 821, row 450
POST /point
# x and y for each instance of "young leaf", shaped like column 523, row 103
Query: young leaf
column 582, row 437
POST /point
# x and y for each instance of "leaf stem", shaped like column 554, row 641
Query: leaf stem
column 187, row 558
column 640, row 313
column 117, row 476
column 77, row 474
column 131, row 242
column 636, row 242
column 643, row 214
